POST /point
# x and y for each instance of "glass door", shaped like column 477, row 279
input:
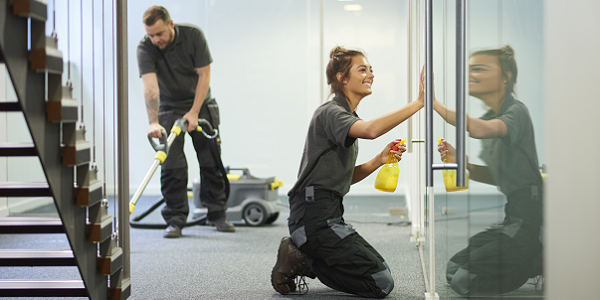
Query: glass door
column 484, row 241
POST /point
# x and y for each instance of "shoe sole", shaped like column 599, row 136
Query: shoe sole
column 225, row 229
column 228, row 229
column 172, row 236
column 280, row 256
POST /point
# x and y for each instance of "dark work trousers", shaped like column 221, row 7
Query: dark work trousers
column 336, row 254
column 174, row 171
column 500, row 259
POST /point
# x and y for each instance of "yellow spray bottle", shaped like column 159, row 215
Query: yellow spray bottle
column 450, row 176
column 387, row 178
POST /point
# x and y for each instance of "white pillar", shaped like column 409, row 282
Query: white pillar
column 572, row 64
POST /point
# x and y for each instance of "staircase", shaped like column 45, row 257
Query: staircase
column 65, row 158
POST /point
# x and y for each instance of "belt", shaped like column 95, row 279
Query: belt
column 311, row 192
column 533, row 192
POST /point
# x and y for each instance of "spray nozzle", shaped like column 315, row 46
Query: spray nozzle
column 441, row 141
column 400, row 141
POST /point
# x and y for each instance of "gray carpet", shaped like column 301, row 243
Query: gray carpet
column 207, row 264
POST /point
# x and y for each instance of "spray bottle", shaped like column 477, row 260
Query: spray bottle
column 450, row 176
column 387, row 178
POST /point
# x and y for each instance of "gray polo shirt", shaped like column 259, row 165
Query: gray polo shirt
column 329, row 154
column 175, row 66
column 512, row 159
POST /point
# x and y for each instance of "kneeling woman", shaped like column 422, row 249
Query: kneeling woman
column 322, row 245
column 503, row 257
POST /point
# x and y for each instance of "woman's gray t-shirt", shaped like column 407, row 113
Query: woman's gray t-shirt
column 512, row 159
column 329, row 154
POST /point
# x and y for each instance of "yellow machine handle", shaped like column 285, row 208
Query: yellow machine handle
column 233, row 177
column 276, row 184
column 161, row 156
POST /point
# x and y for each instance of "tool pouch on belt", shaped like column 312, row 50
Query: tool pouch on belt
column 213, row 109
column 298, row 204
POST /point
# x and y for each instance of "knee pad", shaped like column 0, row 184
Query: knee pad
column 383, row 279
column 461, row 282
column 451, row 268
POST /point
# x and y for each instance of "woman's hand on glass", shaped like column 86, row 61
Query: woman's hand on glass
column 421, row 97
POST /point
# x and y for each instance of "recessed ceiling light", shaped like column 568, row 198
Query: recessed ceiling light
column 353, row 7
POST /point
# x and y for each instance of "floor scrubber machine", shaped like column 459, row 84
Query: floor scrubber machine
column 254, row 200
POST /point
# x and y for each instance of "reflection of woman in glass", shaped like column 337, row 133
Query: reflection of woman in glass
column 322, row 245
column 504, row 257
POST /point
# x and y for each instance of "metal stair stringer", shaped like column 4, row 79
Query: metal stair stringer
column 30, row 90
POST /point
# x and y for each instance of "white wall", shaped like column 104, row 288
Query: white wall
column 572, row 41
column 266, row 77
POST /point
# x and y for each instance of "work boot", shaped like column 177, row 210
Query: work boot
column 173, row 231
column 290, row 263
column 222, row 225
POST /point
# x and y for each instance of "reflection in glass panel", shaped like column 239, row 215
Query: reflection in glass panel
column 488, row 238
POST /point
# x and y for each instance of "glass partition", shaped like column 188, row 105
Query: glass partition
column 487, row 237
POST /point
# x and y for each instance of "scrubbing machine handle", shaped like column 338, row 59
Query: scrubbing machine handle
column 162, row 149
column 205, row 122
column 162, row 144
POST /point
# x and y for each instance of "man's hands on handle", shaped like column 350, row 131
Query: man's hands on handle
column 201, row 90
column 192, row 120
column 154, row 130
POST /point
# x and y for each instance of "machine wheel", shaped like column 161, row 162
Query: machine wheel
column 272, row 218
column 255, row 214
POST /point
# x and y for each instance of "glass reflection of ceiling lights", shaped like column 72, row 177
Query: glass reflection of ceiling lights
column 353, row 7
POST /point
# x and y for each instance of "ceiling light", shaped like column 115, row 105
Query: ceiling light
column 353, row 7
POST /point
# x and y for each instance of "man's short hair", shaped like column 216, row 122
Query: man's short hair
column 155, row 13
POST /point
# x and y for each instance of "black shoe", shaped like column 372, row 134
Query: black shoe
column 172, row 231
column 222, row 225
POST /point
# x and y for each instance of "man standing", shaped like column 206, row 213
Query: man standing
column 174, row 63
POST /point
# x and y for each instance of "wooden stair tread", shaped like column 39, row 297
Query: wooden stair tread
column 30, row 225
column 10, row 106
column 32, row 284
column 17, row 149
column 44, row 288
column 23, row 184
column 41, row 253
column 36, row 257
column 24, row 189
